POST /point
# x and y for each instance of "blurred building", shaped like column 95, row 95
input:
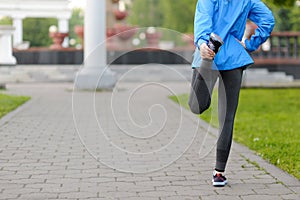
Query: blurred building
column 21, row 9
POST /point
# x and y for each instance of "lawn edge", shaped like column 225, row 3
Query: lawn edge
column 7, row 117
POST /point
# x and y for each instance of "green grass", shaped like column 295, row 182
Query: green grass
column 9, row 103
column 267, row 121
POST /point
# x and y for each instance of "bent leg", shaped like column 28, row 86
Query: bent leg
column 203, row 82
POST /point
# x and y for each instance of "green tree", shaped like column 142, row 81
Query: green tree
column 283, row 19
column 288, row 3
column 179, row 15
column 287, row 16
column 294, row 18
column 173, row 14
column 36, row 30
column 147, row 13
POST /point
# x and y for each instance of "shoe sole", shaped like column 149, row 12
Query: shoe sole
column 219, row 184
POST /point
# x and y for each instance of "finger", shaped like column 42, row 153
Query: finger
column 206, row 52
column 206, row 55
column 211, row 51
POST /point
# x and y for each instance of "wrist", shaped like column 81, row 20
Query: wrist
column 201, row 42
column 248, row 46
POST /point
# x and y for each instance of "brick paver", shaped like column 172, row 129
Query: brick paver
column 42, row 155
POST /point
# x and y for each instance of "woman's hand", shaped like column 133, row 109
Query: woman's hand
column 206, row 52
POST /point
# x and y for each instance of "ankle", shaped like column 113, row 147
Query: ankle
column 219, row 172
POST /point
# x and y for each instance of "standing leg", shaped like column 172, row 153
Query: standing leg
column 203, row 82
column 229, row 89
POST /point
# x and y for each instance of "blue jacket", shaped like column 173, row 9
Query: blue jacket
column 227, row 18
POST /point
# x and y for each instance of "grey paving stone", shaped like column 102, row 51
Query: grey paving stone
column 265, row 197
column 101, row 198
column 42, row 185
column 26, row 181
column 192, row 192
column 136, row 188
column 9, row 196
column 78, row 195
column 190, row 182
column 278, row 189
column 221, row 197
column 134, row 178
column 153, row 183
column 14, row 176
column 120, row 195
column 180, row 198
column 261, row 181
column 161, row 194
column 296, row 189
column 290, row 197
column 60, row 189
column 4, row 185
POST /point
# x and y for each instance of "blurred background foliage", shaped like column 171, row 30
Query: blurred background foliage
column 179, row 14
column 172, row 14
column 36, row 30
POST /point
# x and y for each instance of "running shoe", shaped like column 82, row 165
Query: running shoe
column 219, row 180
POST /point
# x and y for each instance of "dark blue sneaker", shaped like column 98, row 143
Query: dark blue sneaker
column 219, row 180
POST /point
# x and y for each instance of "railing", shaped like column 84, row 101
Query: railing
column 281, row 48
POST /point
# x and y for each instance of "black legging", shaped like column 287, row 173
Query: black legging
column 203, row 81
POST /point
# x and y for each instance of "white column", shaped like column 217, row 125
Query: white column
column 18, row 34
column 63, row 27
column 6, row 57
column 95, row 73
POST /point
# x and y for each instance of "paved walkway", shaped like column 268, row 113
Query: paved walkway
column 132, row 143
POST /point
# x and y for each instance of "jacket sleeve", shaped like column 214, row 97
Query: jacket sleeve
column 262, row 16
column 203, row 21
